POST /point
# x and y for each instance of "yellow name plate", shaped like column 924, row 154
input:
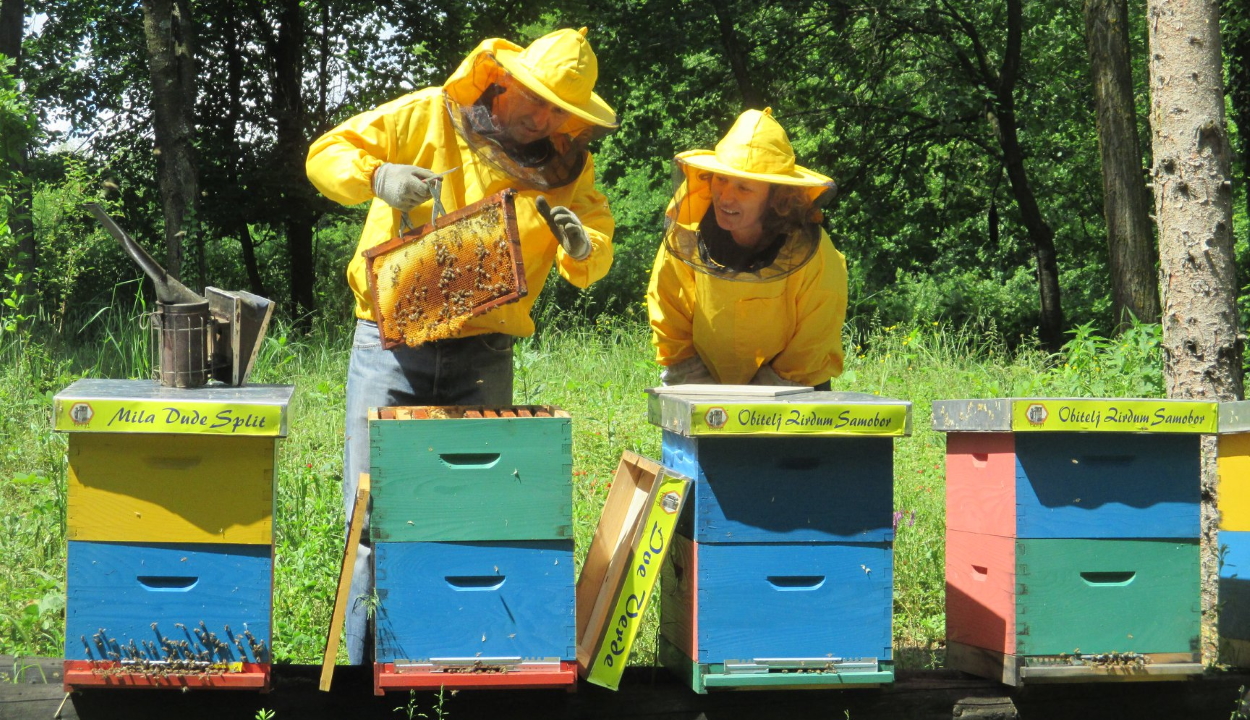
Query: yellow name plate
column 715, row 418
column 166, row 416
column 1160, row 416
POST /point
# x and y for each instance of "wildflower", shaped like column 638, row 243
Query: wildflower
column 898, row 515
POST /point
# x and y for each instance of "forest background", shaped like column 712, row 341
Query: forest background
column 964, row 137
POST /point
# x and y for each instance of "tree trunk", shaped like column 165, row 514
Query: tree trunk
column 12, row 22
column 170, row 36
column 736, row 57
column 1193, row 208
column 1134, row 282
column 238, row 219
column 292, row 146
column 1003, row 118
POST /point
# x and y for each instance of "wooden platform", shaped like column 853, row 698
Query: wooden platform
column 646, row 693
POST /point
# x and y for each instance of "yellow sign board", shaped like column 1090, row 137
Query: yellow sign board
column 143, row 415
column 798, row 419
column 636, row 589
column 1159, row 416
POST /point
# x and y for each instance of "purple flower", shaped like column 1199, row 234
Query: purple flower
column 898, row 515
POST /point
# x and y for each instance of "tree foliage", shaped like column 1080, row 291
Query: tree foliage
column 898, row 100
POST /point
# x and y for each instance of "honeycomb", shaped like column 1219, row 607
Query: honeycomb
column 427, row 284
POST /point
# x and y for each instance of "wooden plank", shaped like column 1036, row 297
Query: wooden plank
column 82, row 674
column 475, row 599
column 1107, row 485
column 1233, row 497
column 341, row 599
column 981, row 483
column 981, row 590
column 171, row 489
column 33, row 692
column 388, row 679
column 1103, row 596
column 641, row 539
column 610, row 547
column 982, row 662
column 785, row 489
column 471, row 480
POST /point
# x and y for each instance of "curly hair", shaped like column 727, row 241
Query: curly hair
column 788, row 209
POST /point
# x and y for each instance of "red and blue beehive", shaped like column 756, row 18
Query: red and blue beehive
column 1072, row 531
column 781, row 572
column 472, row 529
column 170, row 506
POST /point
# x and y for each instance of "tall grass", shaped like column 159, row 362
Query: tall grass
column 596, row 371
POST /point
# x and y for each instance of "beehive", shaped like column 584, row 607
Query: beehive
column 1072, row 537
column 781, row 573
column 426, row 284
column 1233, row 498
column 170, row 520
column 473, row 551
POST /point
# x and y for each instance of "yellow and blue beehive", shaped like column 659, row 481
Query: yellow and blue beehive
column 170, row 508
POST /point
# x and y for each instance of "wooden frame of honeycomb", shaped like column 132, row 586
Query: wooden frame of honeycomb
column 427, row 283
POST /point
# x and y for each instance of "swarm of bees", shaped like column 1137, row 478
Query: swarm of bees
column 426, row 290
column 198, row 652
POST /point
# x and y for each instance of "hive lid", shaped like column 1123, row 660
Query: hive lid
column 732, row 411
column 1075, row 415
column 144, row 406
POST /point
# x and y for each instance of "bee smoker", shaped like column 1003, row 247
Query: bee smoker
column 197, row 338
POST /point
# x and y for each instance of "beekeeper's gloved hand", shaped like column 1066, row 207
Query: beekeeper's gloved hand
column 767, row 376
column 403, row 187
column 690, row 371
column 566, row 227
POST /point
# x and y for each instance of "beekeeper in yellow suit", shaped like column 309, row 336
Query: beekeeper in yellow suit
column 747, row 288
column 509, row 117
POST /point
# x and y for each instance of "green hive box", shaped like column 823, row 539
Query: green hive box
column 471, row 474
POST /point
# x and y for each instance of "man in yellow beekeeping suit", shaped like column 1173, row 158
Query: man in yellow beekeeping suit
column 509, row 117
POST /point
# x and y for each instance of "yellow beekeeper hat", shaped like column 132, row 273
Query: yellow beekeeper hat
column 562, row 69
column 756, row 148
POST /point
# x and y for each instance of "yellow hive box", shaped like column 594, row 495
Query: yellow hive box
column 170, row 488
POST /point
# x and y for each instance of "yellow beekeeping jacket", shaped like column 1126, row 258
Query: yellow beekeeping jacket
column 793, row 323
column 416, row 129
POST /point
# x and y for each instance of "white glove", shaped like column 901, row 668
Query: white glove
column 403, row 187
column 767, row 376
column 566, row 227
column 690, row 371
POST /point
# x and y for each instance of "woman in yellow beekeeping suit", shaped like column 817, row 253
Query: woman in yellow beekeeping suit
column 747, row 288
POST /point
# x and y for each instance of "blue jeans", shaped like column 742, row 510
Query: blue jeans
column 462, row 371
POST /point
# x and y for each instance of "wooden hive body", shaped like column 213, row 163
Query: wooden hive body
column 1071, row 553
column 473, row 553
column 781, row 574
column 170, row 518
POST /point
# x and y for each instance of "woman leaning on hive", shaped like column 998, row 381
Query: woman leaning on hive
column 747, row 288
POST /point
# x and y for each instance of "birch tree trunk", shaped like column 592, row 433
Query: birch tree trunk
column 1193, row 209
column 168, row 28
column 1134, row 284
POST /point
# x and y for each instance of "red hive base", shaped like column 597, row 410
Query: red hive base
column 386, row 678
column 80, row 674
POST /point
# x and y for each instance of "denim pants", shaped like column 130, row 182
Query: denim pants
column 461, row 371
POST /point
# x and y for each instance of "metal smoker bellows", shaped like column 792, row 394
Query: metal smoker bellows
column 197, row 338
column 427, row 283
